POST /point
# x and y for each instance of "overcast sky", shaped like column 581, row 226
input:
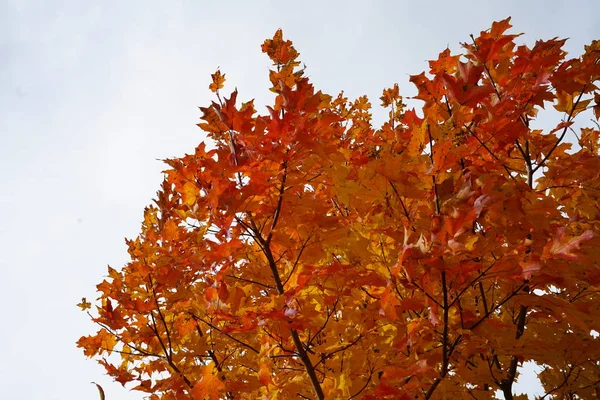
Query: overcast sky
column 92, row 93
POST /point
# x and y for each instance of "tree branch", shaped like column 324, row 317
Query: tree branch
column 506, row 384
column 435, row 189
column 308, row 365
column 564, row 132
column 445, row 355
column 279, row 204
column 402, row 204
column 196, row 318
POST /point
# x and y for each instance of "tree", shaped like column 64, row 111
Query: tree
column 308, row 254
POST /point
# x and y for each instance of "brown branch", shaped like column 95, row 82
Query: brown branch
column 302, row 248
column 338, row 208
column 343, row 348
column 527, row 157
column 211, row 353
column 495, row 86
column 564, row 382
column 369, row 294
column 277, row 212
column 246, row 345
column 489, row 74
column 445, row 355
column 435, row 188
column 564, row 132
column 497, row 306
column 318, row 332
column 506, row 384
column 364, row 386
column 578, row 294
column 310, row 369
column 279, row 341
column 130, row 353
column 250, row 281
column 490, row 363
column 308, row 365
column 167, row 353
column 448, row 108
column 506, row 168
column 430, row 297
column 595, row 383
column 120, row 339
column 445, row 332
column 161, row 316
column 483, row 298
column 474, row 281
column 402, row 204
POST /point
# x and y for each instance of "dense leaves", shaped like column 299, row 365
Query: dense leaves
column 305, row 253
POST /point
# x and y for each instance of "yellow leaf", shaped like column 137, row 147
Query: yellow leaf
column 343, row 384
column 150, row 218
column 218, row 81
column 470, row 243
column 84, row 305
column 107, row 340
column 571, row 103
column 189, row 192
column 565, row 102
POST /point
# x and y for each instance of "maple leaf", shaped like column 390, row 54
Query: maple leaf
column 570, row 103
column 209, row 387
column 390, row 95
column 264, row 375
column 445, row 64
column 563, row 246
column 84, row 305
column 120, row 374
column 280, row 51
column 218, row 81
column 464, row 88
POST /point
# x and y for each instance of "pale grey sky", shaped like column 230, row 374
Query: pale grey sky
column 92, row 93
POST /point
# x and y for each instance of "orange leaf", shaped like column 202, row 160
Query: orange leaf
column 564, row 247
column 218, row 81
column 209, row 387
column 280, row 51
column 264, row 375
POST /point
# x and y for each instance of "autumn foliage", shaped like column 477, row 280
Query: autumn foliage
column 306, row 254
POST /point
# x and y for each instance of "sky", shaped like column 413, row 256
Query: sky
column 94, row 94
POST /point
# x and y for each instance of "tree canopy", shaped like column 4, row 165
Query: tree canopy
column 305, row 253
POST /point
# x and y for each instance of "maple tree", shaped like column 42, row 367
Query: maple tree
column 307, row 254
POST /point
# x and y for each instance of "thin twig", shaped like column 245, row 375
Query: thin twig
column 564, row 132
column 435, row 188
column 246, row 345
